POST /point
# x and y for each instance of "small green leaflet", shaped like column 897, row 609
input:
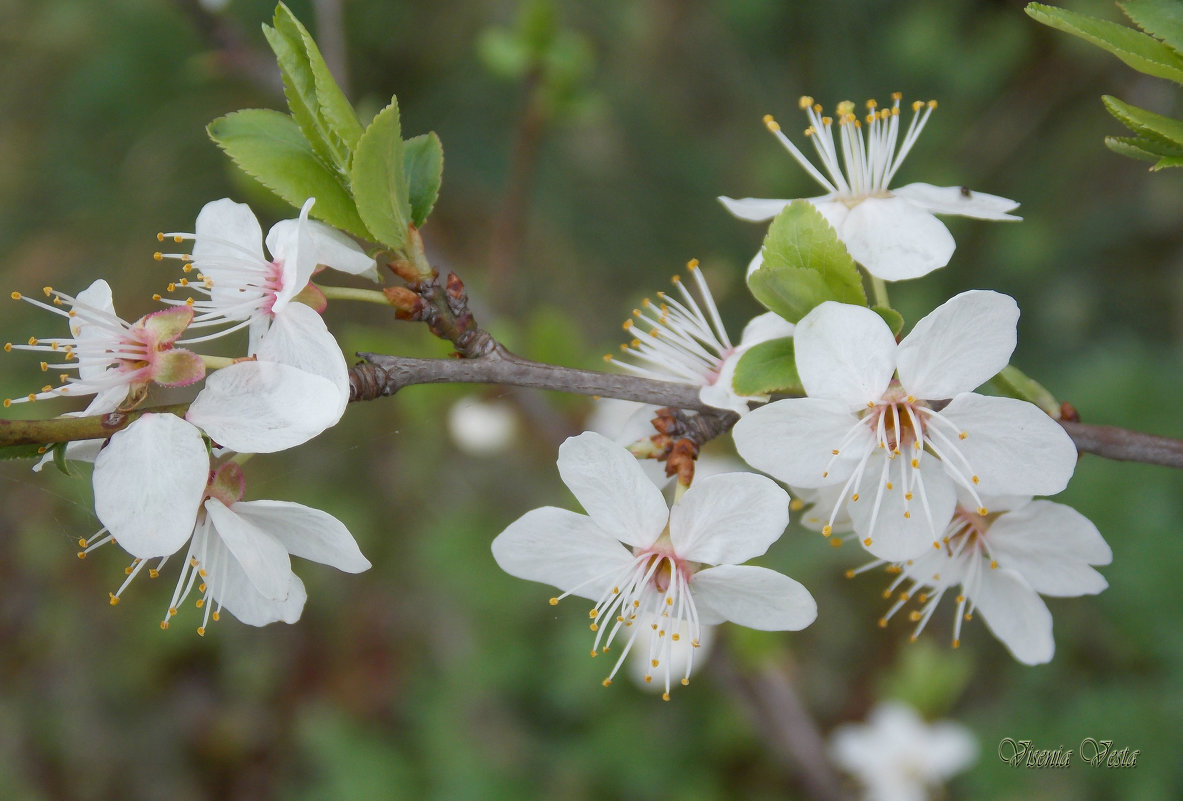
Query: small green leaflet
column 1139, row 50
column 423, row 161
column 379, row 179
column 805, row 264
column 766, row 368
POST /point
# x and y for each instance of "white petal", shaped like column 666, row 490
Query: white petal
column 229, row 586
column 1017, row 615
column 959, row 345
column 299, row 338
column 290, row 243
column 1012, row 446
column 722, row 395
column 226, row 233
column 96, row 296
column 727, row 519
column 896, row 240
column 950, row 748
column 754, row 209
column 897, row 536
column 1051, row 545
column 610, row 485
column 844, row 352
column 794, row 440
column 560, row 548
column 261, row 556
column 835, row 211
column 958, row 200
column 263, row 407
column 763, row 328
column 755, row 597
column 148, row 484
column 334, row 249
column 306, row 532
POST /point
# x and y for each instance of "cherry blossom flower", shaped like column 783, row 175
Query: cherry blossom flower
column 112, row 357
column 896, row 756
column 875, row 422
column 245, row 288
column 1002, row 563
column 154, row 492
column 632, row 555
column 685, row 341
column 891, row 232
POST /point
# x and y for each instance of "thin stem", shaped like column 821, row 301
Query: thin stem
column 879, row 291
column 350, row 293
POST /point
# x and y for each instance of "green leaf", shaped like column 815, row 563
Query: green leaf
column 1139, row 50
column 804, row 265
column 1146, row 123
column 60, row 461
column 299, row 87
column 423, row 160
column 1016, row 384
column 332, row 105
column 1146, row 150
column 893, row 318
column 1161, row 18
column 269, row 146
column 379, row 179
column 766, row 368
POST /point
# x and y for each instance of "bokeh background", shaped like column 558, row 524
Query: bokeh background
column 585, row 144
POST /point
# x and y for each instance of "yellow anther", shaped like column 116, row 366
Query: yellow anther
column 917, row 105
column 685, row 682
column 827, row 530
column 172, row 611
column 960, row 599
column 915, row 463
column 178, row 239
column 217, row 616
column 8, row 347
column 963, row 435
column 932, row 104
column 914, row 616
column 114, row 598
column 553, row 601
column 669, row 601
column 882, row 622
column 606, row 682
column 82, row 554
column 665, row 696
column 872, row 105
column 159, row 236
column 675, row 636
column 957, row 643
column 692, row 265
column 201, row 631
column 993, row 565
column 907, row 496
column 771, row 124
column 854, row 497
column 653, row 626
column 200, row 602
column 836, row 542
column 804, row 102
column 796, row 505
column 153, row 573
column 593, row 613
column 628, row 324
column 969, row 616
column 594, row 627
column 867, row 542
column 886, row 594
column 983, row 511
column 158, row 256
column 44, row 366
column 889, row 485
column 188, row 301
column 15, row 296
column 594, row 653
column 897, row 96
column 975, row 479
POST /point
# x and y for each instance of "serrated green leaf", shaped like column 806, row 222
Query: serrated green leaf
column 804, row 265
column 1161, row 18
column 1128, row 146
column 379, row 179
column 766, row 368
column 423, row 162
column 299, row 87
column 894, row 320
column 269, row 146
column 9, row 452
column 332, row 105
column 1166, row 131
column 1139, row 50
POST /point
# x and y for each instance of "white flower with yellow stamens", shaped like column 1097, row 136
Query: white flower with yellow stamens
column 891, row 232
column 1002, row 563
column 111, row 356
column 684, row 340
column 875, row 421
column 639, row 560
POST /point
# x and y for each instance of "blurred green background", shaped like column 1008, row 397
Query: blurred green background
column 584, row 149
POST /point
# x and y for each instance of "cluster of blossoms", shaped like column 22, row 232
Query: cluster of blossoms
column 890, row 444
column 166, row 481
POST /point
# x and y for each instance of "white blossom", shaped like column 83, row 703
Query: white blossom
column 896, row 756
column 891, row 232
column 1001, row 564
column 632, row 555
column 684, row 340
column 875, row 421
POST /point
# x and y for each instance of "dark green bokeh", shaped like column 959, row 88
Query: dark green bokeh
column 434, row 675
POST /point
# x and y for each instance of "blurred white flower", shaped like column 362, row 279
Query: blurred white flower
column 482, row 427
column 632, row 555
column 896, row 756
column 891, row 232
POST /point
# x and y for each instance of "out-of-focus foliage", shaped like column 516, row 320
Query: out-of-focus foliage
column 434, row 676
column 1156, row 51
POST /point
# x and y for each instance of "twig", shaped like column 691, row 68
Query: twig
column 1124, row 445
